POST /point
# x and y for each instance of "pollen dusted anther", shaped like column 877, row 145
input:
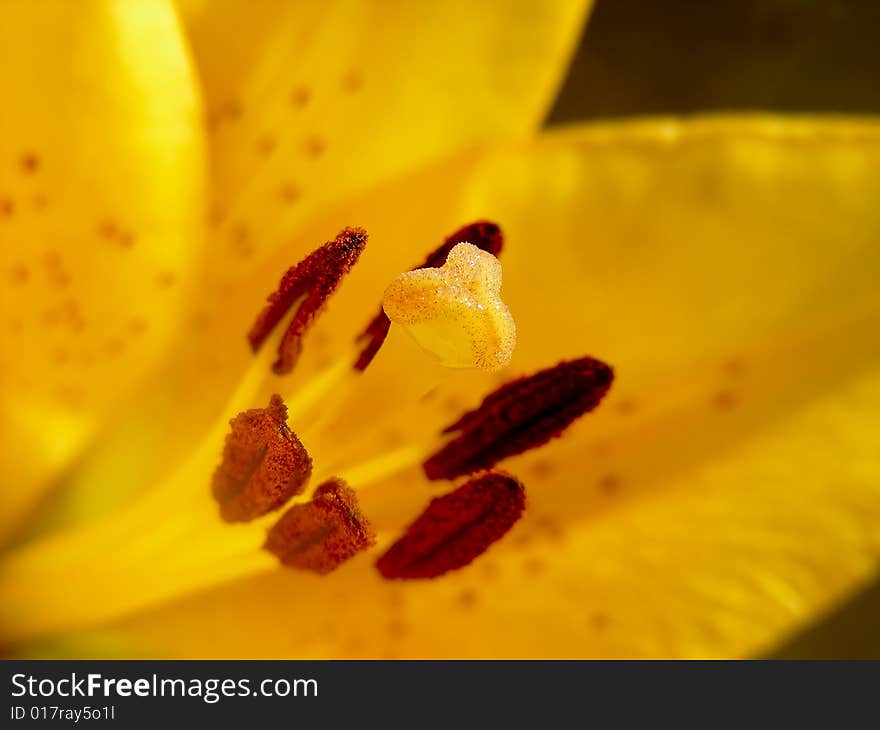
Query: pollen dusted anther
column 312, row 280
column 521, row 415
column 456, row 528
column 323, row 533
column 264, row 464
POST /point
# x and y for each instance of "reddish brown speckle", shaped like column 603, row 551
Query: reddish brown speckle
column 264, row 464
column 609, row 483
column 56, row 270
column 231, row 110
column 456, row 528
column 542, row 468
column 549, row 528
column 289, row 193
column 627, row 406
column 300, row 97
column 467, row 599
column 125, row 239
column 315, row 146
column 107, row 229
column 165, row 279
column 7, row 207
column 482, row 234
column 323, row 533
column 265, row 145
column 115, row 347
column 726, row 399
column 313, row 280
column 137, row 326
column 734, row 366
column 521, row 415
column 30, row 163
column 534, row 566
column 352, row 82
column 19, row 274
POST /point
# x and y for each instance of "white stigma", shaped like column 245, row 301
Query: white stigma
column 455, row 312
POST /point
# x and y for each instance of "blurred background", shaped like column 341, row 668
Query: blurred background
column 689, row 56
column 773, row 55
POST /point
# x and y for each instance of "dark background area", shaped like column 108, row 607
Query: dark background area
column 684, row 56
column 678, row 56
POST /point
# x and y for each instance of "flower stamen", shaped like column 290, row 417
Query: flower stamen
column 311, row 282
column 456, row 528
column 521, row 415
column 263, row 464
column 323, row 533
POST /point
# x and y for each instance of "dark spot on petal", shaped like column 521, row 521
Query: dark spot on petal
column 548, row 527
column 609, row 483
column 19, row 274
column 265, row 145
column 107, row 229
column 397, row 628
column 289, row 193
column 300, row 97
column 29, row 163
column 534, row 566
column 125, row 239
column 734, row 366
column 57, row 273
column 315, row 146
column 467, row 599
column 115, row 347
column 240, row 237
column 166, row 279
column 725, row 399
column 231, row 110
column 138, row 326
column 541, row 468
column 352, row 82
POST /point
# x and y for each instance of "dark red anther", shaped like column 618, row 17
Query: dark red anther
column 483, row 234
column 521, row 415
column 323, row 533
column 312, row 281
column 264, row 464
column 456, row 528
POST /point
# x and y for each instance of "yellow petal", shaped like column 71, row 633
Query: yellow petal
column 311, row 102
column 100, row 196
column 726, row 494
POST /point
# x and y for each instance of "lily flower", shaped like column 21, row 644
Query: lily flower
column 162, row 166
